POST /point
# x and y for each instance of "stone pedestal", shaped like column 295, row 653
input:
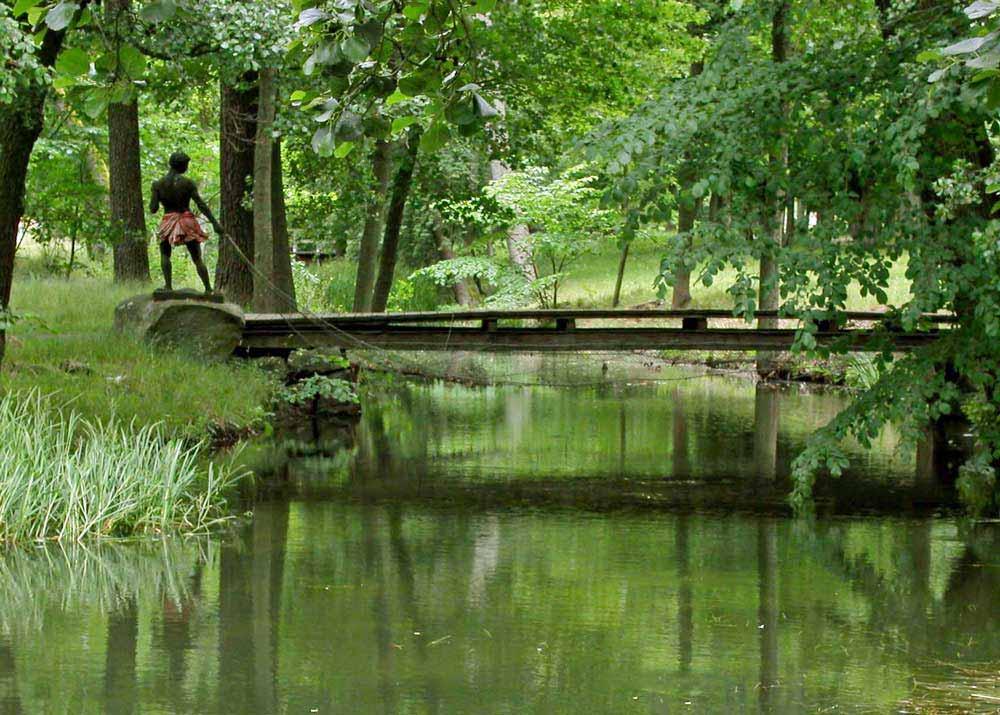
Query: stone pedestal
column 198, row 323
column 162, row 294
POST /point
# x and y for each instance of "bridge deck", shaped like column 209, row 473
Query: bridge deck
column 562, row 331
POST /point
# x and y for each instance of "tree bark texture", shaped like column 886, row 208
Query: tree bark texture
column 20, row 126
column 620, row 278
column 265, row 299
column 687, row 213
column 375, row 215
column 394, row 223
column 769, row 281
column 237, row 131
column 518, row 236
column 128, row 220
column 279, row 226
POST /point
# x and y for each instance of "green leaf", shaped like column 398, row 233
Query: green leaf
column 395, row 98
column 484, row 6
column 415, row 10
column 348, row 128
column 95, row 102
column 401, row 123
column 970, row 44
column 323, row 141
column 981, row 9
column 158, row 11
column 73, row 62
column 132, row 61
column 435, row 137
column 343, row 149
column 929, row 56
column 355, row 49
column 310, row 16
column 412, row 84
column 22, row 6
column 61, row 15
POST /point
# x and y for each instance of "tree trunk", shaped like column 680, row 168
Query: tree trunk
column 368, row 251
column 265, row 299
column 622, row 260
column 279, row 225
column 20, row 125
column 769, row 283
column 687, row 213
column 237, row 130
column 463, row 293
column 128, row 220
column 394, row 223
column 518, row 236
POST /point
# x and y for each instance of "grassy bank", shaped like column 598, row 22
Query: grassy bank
column 68, row 479
column 64, row 346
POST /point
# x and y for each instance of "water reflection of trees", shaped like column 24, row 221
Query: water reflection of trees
column 374, row 608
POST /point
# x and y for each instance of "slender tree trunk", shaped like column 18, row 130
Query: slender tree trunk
column 368, row 251
column 622, row 261
column 237, row 130
column 21, row 124
column 265, row 299
column 463, row 293
column 518, row 236
column 279, row 225
column 394, row 223
column 769, row 289
column 687, row 213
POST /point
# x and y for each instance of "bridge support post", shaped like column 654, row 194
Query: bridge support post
column 694, row 323
column 564, row 325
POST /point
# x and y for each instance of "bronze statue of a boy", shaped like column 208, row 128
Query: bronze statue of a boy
column 179, row 226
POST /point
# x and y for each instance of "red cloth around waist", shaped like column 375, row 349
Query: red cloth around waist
column 180, row 228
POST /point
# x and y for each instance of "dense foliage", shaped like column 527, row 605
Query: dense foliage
column 801, row 151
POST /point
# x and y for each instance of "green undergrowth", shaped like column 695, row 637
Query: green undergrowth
column 63, row 345
column 69, row 479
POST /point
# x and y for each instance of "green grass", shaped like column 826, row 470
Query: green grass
column 69, row 479
column 591, row 282
column 66, row 348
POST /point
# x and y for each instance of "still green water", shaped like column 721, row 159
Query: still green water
column 598, row 546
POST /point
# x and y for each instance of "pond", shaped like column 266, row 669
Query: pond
column 568, row 539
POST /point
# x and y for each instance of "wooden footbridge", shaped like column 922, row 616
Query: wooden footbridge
column 573, row 330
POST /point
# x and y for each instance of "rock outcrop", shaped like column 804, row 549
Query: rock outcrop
column 195, row 322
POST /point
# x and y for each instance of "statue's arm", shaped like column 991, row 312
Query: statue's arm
column 154, row 201
column 203, row 207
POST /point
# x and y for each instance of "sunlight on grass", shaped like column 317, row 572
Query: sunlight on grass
column 591, row 283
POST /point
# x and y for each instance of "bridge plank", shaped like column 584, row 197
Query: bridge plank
column 554, row 340
column 550, row 315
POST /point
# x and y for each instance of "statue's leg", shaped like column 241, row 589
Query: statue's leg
column 168, row 269
column 194, row 248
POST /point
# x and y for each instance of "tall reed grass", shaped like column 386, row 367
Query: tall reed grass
column 67, row 479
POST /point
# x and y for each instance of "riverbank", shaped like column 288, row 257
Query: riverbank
column 63, row 346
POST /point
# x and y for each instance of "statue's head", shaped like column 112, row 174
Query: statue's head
column 179, row 162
